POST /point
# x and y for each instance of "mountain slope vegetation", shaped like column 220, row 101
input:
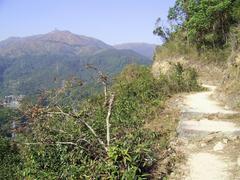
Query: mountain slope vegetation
column 206, row 34
column 31, row 64
column 70, row 143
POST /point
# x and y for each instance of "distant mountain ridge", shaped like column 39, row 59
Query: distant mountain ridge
column 144, row 49
column 53, row 42
column 30, row 64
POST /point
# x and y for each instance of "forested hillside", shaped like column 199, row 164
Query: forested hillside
column 32, row 64
column 204, row 34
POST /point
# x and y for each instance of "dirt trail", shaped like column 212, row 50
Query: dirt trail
column 209, row 136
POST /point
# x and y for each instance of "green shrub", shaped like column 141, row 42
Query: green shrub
column 183, row 79
column 131, row 154
column 7, row 115
column 10, row 160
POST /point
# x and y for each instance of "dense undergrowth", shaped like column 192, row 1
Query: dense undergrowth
column 10, row 159
column 218, row 65
column 178, row 47
column 58, row 143
column 194, row 31
column 207, row 35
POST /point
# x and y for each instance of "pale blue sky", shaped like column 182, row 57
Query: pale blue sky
column 113, row 21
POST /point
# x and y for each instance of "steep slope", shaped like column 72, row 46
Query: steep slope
column 144, row 49
column 34, row 63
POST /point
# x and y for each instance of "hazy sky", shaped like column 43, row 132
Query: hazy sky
column 113, row 21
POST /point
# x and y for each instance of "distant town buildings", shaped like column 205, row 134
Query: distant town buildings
column 12, row 101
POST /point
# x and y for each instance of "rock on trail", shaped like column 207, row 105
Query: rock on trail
column 211, row 145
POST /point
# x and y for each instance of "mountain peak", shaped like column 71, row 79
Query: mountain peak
column 70, row 38
column 54, row 42
column 32, row 63
column 62, row 32
column 65, row 37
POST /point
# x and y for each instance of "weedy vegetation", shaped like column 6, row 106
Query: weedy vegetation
column 104, row 138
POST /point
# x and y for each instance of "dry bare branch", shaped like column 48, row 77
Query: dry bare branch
column 108, row 118
column 94, row 133
column 61, row 112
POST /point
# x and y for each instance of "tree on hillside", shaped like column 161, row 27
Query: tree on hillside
column 207, row 22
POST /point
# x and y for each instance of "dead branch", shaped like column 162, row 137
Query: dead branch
column 108, row 118
column 94, row 133
column 61, row 112
column 105, row 94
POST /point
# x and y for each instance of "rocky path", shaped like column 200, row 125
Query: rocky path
column 209, row 139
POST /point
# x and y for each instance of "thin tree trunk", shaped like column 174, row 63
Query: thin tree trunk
column 108, row 118
column 94, row 133
column 105, row 94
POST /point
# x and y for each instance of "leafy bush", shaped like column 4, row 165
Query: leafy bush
column 197, row 19
column 66, row 144
column 7, row 115
column 10, row 160
column 183, row 79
